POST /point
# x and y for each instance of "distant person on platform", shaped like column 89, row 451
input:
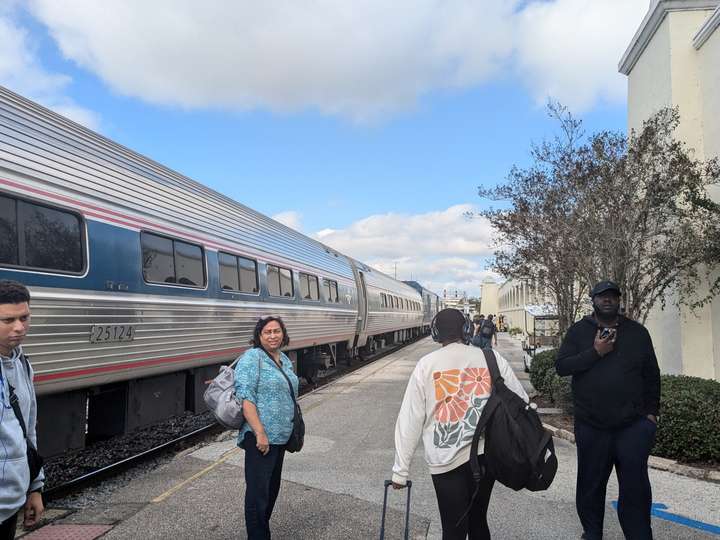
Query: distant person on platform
column 17, row 490
column 477, row 323
column 616, row 394
column 486, row 333
column 443, row 402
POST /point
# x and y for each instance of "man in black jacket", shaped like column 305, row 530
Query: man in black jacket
column 616, row 394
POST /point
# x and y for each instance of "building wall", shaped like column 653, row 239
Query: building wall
column 671, row 72
column 489, row 299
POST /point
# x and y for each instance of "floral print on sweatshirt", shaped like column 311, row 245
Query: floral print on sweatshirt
column 460, row 396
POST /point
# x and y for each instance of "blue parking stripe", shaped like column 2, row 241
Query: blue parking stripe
column 658, row 511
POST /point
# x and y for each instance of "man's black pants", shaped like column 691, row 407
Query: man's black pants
column 7, row 528
column 626, row 449
column 262, row 485
column 454, row 490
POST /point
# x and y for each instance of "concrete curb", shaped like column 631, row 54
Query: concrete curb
column 661, row 464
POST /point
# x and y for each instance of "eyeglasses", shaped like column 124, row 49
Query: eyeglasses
column 272, row 332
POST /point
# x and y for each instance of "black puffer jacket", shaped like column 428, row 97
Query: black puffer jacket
column 618, row 388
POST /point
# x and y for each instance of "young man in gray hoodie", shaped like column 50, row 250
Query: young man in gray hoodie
column 17, row 489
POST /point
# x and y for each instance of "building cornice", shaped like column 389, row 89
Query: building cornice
column 707, row 29
column 652, row 22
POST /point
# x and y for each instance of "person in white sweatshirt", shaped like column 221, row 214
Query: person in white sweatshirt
column 443, row 402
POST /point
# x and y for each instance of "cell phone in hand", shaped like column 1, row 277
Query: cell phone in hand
column 606, row 333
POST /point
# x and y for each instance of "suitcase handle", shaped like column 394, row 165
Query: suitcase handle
column 388, row 483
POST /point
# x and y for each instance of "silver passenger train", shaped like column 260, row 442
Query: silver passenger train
column 143, row 281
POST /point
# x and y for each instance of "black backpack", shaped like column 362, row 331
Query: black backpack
column 487, row 329
column 519, row 452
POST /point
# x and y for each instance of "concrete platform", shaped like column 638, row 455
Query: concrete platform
column 334, row 487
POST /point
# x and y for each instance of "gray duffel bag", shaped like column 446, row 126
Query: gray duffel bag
column 221, row 400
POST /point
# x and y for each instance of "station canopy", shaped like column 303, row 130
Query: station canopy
column 542, row 311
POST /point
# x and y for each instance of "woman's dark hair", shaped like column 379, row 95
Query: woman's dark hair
column 13, row 292
column 262, row 323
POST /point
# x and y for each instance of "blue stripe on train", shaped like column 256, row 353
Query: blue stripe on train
column 115, row 258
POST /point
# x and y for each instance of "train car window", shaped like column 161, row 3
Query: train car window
column 40, row 237
column 248, row 275
column 8, row 232
column 229, row 280
column 286, row 282
column 304, row 288
column 189, row 267
column 309, row 287
column 158, row 260
column 331, row 290
column 273, row 280
column 169, row 261
column 383, row 300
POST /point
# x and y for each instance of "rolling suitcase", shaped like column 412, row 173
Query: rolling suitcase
column 388, row 483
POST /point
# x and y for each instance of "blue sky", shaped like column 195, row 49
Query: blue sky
column 368, row 127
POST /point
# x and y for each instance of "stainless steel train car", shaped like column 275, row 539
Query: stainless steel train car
column 432, row 303
column 144, row 280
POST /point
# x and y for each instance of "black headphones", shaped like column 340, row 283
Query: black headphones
column 435, row 333
column 434, row 329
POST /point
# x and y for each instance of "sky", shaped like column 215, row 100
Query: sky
column 368, row 125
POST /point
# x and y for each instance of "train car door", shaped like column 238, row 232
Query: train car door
column 362, row 313
column 362, row 304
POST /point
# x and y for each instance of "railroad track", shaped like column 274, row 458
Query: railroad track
column 94, row 477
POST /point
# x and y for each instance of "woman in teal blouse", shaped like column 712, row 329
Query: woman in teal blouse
column 268, row 408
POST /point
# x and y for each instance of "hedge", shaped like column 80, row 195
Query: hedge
column 548, row 383
column 689, row 427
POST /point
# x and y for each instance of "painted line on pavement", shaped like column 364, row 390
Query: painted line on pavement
column 658, row 510
column 228, row 455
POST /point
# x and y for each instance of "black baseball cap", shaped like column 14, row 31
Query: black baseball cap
column 604, row 286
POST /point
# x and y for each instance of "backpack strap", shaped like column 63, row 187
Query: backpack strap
column 491, row 362
column 15, row 404
column 491, row 406
column 487, row 413
column 26, row 363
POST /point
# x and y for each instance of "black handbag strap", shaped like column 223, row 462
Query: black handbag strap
column 292, row 390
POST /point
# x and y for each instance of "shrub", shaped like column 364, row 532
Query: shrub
column 562, row 393
column 689, row 427
column 541, row 371
column 514, row 331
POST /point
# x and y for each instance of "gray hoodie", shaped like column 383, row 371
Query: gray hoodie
column 14, row 471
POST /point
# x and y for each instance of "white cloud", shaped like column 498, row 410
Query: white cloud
column 569, row 49
column 355, row 59
column 442, row 249
column 290, row 219
column 21, row 71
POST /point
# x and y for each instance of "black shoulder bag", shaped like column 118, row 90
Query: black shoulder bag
column 35, row 460
column 297, row 437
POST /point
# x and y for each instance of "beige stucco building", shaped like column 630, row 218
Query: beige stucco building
column 489, row 296
column 518, row 301
column 674, row 60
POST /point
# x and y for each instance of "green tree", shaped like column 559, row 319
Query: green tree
column 632, row 209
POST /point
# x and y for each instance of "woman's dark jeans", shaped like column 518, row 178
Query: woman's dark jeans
column 262, row 485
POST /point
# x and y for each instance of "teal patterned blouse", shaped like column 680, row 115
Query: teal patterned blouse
column 270, row 394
